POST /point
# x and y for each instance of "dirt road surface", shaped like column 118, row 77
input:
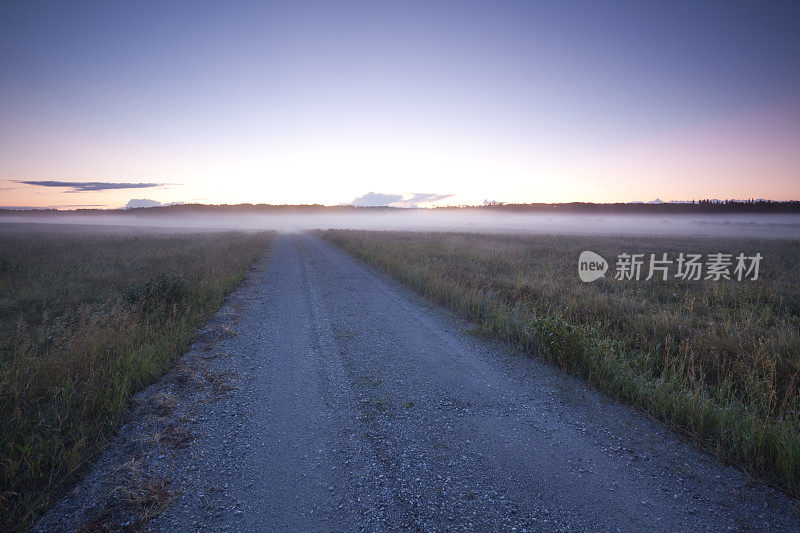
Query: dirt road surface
column 325, row 397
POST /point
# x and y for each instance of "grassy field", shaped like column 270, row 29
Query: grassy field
column 717, row 360
column 88, row 318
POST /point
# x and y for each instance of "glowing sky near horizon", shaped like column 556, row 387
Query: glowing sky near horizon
column 300, row 102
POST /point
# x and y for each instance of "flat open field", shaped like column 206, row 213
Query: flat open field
column 371, row 407
column 87, row 318
column 352, row 404
column 718, row 360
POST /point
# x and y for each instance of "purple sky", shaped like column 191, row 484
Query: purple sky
column 325, row 102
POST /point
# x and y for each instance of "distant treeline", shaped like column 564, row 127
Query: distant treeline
column 699, row 206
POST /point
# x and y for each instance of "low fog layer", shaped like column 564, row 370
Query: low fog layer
column 751, row 225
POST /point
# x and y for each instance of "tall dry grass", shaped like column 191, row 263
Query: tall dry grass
column 86, row 320
column 719, row 361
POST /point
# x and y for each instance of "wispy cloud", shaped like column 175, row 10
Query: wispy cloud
column 88, row 186
column 379, row 199
column 376, row 199
column 142, row 202
column 420, row 198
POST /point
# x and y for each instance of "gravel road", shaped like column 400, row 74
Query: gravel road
column 324, row 396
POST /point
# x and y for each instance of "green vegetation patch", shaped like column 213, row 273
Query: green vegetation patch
column 87, row 319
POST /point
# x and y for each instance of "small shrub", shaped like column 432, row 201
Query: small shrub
column 158, row 293
column 5, row 265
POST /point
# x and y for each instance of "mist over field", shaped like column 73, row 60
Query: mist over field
column 469, row 220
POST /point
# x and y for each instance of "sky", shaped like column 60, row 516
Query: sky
column 403, row 103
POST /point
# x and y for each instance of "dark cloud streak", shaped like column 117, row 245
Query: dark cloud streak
column 89, row 186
